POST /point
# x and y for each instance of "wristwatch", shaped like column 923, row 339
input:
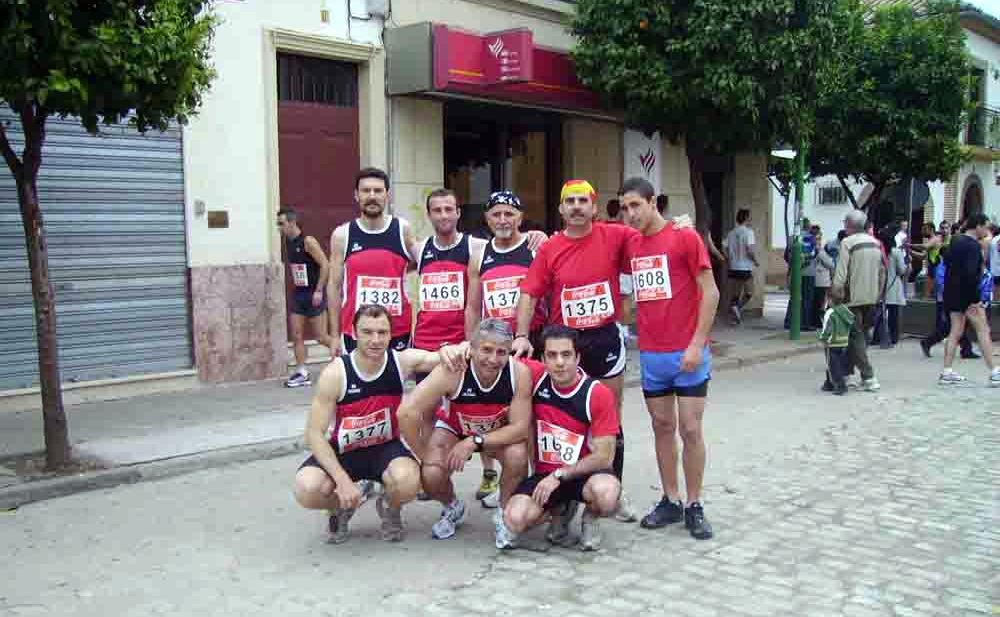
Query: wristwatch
column 559, row 474
column 479, row 441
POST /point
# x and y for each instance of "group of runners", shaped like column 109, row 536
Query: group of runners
column 517, row 354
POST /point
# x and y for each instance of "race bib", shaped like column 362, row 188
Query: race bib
column 480, row 425
column 300, row 276
column 587, row 306
column 500, row 297
column 651, row 278
column 381, row 290
column 558, row 446
column 364, row 431
column 442, row 291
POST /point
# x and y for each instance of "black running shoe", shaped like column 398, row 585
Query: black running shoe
column 694, row 520
column 970, row 355
column 662, row 514
column 827, row 386
column 926, row 348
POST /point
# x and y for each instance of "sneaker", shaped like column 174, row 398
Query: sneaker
column 663, row 513
column 590, row 532
column 839, row 390
column 995, row 378
column 870, row 385
column 736, row 314
column 970, row 355
column 951, row 378
column 926, row 348
column 558, row 531
column 491, row 501
column 339, row 518
column 452, row 516
column 337, row 525
column 505, row 538
column 392, row 519
column 827, row 386
column 694, row 520
column 297, row 380
column 489, row 484
column 625, row 512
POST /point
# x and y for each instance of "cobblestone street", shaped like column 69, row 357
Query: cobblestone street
column 871, row 504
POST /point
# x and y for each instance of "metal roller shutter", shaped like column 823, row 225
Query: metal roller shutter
column 114, row 216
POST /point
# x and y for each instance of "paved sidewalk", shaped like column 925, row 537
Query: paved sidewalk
column 214, row 425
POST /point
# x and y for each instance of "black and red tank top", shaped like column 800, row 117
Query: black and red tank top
column 443, row 289
column 562, row 423
column 366, row 410
column 477, row 409
column 500, row 274
column 305, row 270
column 374, row 273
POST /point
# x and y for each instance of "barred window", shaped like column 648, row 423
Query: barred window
column 314, row 80
column 831, row 195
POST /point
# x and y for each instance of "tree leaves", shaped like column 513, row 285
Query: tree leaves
column 103, row 60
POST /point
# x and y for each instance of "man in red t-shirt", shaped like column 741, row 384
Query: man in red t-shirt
column 579, row 270
column 576, row 425
column 676, row 299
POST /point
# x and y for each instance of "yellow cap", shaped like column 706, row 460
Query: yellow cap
column 578, row 187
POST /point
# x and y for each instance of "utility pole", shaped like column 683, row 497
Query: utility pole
column 795, row 255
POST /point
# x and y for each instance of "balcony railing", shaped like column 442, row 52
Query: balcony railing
column 984, row 128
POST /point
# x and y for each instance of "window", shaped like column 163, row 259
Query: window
column 831, row 195
column 314, row 80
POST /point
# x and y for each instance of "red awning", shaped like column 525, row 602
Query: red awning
column 503, row 66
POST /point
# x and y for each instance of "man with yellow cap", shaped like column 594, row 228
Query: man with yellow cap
column 579, row 271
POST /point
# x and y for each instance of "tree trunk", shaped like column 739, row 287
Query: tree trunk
column 703, row 219
column 57, row 450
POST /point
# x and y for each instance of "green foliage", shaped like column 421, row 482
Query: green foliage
column 729, row 75
column 894, row 98
column 102, row 59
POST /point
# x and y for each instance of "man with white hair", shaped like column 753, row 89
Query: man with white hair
column 858, row 282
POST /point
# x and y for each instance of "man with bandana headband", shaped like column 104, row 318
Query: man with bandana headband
column 579, row 270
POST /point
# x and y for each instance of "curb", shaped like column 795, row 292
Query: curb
column 40, row 490
column 720, row 364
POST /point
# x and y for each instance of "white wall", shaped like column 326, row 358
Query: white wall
column 986, row 55
column 226, row 145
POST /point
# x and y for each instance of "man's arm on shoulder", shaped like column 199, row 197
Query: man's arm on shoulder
column 324, row 407
column 452, row 357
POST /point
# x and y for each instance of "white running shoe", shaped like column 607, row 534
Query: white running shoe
column 995, row 378
column 505, row 538
column 625, row 512
column 491, row 501
column 298, row 379
column 951, row 378
column 590, row 532
column 452, row 517
column 871, row 385
column 392, row 519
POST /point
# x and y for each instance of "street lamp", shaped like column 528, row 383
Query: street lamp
column 784, row 151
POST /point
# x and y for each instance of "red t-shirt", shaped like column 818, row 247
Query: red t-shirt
column 582, row 276
column 568, row 420
column 665, row 269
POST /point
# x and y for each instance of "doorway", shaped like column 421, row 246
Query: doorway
column 318, row 144
column 491, row 148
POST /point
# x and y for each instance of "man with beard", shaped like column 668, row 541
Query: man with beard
column 368, row 261
column 579, row 270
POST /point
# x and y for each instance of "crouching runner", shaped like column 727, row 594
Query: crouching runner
column 353, row 432
column 576, row 425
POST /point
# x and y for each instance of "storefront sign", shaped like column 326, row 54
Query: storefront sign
column 642, row 157
column 505, row 66
column 508, row 57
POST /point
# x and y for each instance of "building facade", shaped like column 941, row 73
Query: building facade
column 474, row 95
